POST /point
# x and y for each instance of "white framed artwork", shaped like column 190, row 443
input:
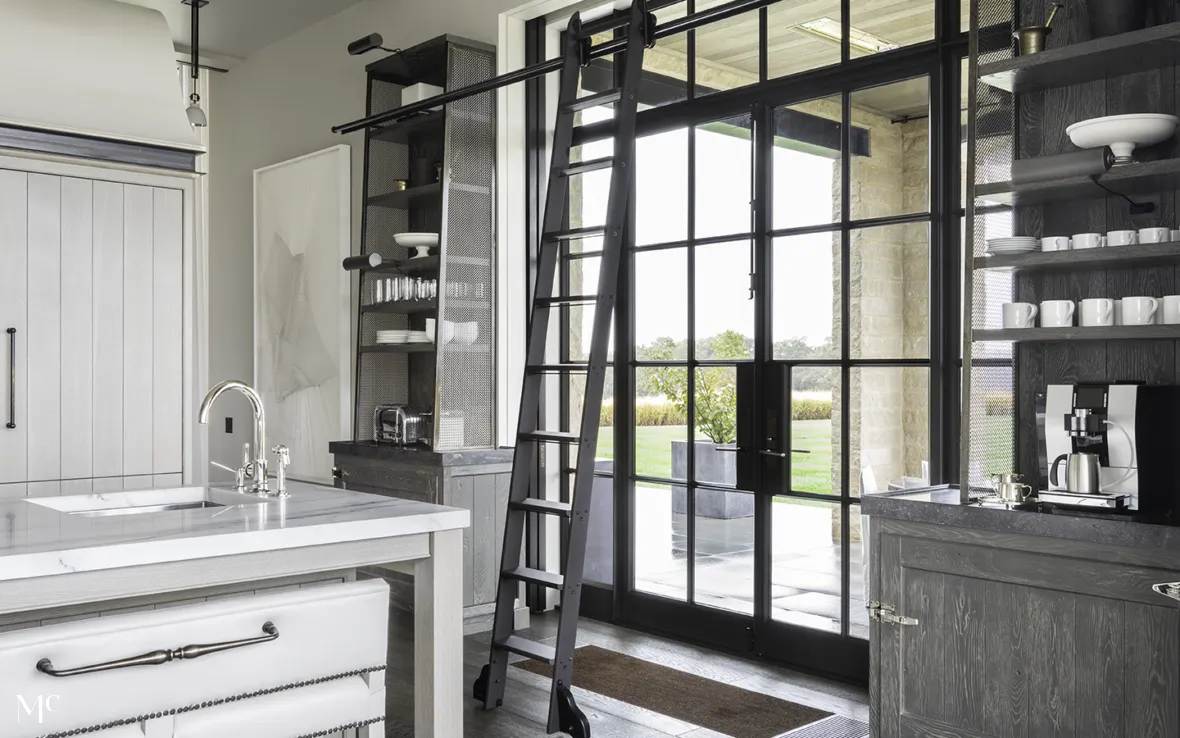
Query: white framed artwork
column 302, row 315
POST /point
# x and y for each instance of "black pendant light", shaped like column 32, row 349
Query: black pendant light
column 196, row 116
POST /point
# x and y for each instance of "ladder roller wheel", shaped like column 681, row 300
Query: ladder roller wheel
column 570, row 717
column 479, row 690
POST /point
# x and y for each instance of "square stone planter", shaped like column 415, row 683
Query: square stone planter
column 715, row 465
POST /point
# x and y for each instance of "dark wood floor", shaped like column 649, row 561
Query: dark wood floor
column 526, row 703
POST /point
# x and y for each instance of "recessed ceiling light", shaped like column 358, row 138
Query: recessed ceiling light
column 829, row 30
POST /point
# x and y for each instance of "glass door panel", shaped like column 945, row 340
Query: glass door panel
column 723, row 562
column 807, row 563
column 815, row 430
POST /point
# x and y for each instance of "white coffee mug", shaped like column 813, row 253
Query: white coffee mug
column 1171, row 309
column 1139, row 310
column 1097, row 311
column 1020, row 315
column 1055, row 243
column 1057, row 313
column 1122, row 238
column 431, row 323
column 1154, row 235
column 1087, row 240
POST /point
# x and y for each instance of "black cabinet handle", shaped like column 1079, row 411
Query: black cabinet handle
column 163, row 656
column 11, row 378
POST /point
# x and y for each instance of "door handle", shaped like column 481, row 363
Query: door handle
column 11, row 379
column 775, row 454
column 162, row 656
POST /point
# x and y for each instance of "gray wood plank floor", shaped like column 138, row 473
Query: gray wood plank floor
column 526, row 703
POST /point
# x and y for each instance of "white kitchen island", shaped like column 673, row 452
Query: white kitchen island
column 64, row 558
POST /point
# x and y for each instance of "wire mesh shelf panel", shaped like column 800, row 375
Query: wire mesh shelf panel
column 989, row 377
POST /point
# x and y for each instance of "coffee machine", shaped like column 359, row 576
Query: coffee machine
column 1131, row 429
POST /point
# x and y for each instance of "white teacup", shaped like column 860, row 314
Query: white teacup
column 1055, row 243
column 1154, row 235
column 1122, row 238
column 1171, row 309
column 1139, row 310
column 430, row 328
column 446, row 332
column 1087, row 241
column 467, row 333
column 1097, row 311
column 1057, row 313
column 1175, row 235
column 1020, row 315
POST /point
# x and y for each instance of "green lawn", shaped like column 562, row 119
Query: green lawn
column 653, row 458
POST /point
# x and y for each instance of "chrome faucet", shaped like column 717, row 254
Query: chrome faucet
column 256, row 466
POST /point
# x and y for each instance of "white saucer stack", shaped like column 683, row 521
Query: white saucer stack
column 1013, row 245
column 391, row 337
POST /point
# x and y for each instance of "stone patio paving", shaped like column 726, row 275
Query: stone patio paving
column 805, row 575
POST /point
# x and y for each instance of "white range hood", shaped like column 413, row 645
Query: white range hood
column 92, row 67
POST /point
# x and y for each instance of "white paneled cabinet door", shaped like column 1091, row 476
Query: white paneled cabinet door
column 14, row 208
column 91, row 278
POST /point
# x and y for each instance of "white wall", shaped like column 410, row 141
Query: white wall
column 278, row 104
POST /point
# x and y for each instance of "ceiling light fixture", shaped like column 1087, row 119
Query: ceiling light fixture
column 196, row 116
column 829, row 30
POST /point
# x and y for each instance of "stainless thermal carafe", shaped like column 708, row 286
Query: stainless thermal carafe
column 1081, row 473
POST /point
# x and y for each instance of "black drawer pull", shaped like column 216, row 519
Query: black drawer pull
column 11, row 379
column 163, row 656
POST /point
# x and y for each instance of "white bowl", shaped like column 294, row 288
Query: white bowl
column 1123, row 133
column 413, row 240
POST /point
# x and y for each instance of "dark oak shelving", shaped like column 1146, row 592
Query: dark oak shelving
column 1105, row 333
column 429, row 123
column 402, row 198
column 409, row 267
column 1111, row 257
column 1137, row 51
column 1127, row 179
column 401, row 306
column 399, row 348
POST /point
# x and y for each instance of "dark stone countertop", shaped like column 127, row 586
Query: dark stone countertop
column 420, row 455
column 941, row 506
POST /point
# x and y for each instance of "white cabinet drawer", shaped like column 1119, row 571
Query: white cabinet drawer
column 296, row 712
column 335, row 633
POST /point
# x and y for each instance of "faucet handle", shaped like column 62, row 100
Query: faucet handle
column 239, row 474
column 246, row 458
column 283, row 453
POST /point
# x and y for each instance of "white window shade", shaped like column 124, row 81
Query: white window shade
column 92, row 67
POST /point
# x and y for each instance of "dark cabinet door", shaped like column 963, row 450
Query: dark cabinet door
column 1015, row 644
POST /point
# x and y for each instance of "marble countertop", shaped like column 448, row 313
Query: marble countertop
column 37, row 540
column 941, row 506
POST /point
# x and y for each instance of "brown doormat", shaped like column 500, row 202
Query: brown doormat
column 715, row 705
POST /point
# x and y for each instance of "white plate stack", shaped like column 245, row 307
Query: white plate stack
column 1013, row 245
column 393, row 337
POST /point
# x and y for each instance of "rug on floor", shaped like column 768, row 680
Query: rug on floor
column 677, row 694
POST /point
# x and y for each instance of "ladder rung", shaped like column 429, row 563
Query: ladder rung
column 557, row 368
column 545, row 302
column 592, row 165
column 531, row 649
column 544, row 507
column 551, row 437
column 576, row 233
column 593, row 101
column 536, row 576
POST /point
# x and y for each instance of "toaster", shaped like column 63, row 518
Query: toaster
column 401, row 425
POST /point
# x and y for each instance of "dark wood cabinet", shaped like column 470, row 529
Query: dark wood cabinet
column 1020, row 636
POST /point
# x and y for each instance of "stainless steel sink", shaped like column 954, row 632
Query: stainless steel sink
column 143, row 502
column 141, row 509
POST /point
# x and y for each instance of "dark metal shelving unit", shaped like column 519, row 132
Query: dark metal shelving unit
column 1127, row 179
column 446, row 156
